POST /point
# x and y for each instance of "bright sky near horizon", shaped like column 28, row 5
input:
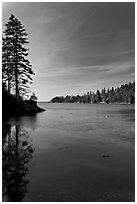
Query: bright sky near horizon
column 75, row 47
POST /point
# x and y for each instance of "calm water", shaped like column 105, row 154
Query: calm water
column 71, row 152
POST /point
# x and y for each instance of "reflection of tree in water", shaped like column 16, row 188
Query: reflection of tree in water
column 16, row 153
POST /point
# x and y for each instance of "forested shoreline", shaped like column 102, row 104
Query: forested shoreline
column 123, row 94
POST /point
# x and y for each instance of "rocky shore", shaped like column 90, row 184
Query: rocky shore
column 31, row 107
column 17, row 107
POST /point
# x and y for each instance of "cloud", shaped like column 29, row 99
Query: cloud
column 86, row 76
column 77, row 46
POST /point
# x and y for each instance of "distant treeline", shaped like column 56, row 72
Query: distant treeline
column 123, row 94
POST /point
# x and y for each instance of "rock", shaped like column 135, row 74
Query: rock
column 105, row 155
column 16, row 107
column 31, row 107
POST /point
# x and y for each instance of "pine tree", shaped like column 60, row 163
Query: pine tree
column 6, row 65
column 33, row 97
column 118, row 95
column 94, row 98
column 98, row 96
column 112, row 96
column 15, row 53
column 103, row 95
column 88, row 97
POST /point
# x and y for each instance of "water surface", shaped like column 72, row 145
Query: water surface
column 74, row 152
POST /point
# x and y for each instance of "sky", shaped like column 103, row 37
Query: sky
column 75, row 47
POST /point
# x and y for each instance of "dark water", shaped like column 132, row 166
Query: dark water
column 71, row 152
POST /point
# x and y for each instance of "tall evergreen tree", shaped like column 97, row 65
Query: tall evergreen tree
column 112, row 96
column 6, row 65
column 93, row 97
column 118, row 95
column 103, row 95
column 98, row 96
column 18, row 66
column 88, row 97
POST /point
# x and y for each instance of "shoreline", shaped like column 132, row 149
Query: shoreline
column 26, row 108
column 122, row 103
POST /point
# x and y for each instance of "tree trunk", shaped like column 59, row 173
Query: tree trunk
column 16, row 82
column 17, row 137
column 9, row 85
column 16, row 69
